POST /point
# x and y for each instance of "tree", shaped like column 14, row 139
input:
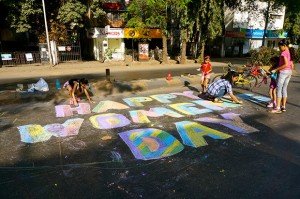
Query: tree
column 149, row 14
column 208, row 22
column 27, row 16
column 292, row 20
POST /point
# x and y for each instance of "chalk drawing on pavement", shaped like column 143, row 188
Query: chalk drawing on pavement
column 254, row 98
column 67, row 110
column 164, row 98
column 188, row 94
column 109, row 121
column 104, row 106
column 34, row 133
column 141, row 116
column 189, row 109
column 192, row 133
column 137, row 101
column 150, row 143
column 68, row 128
column 232, row 121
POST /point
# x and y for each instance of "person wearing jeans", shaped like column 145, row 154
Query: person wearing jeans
column 285, row 73
column 222, row 87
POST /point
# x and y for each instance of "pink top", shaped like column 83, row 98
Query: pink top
column 285, row 54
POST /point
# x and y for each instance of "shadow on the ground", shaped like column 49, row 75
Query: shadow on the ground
column 192, row 88
column 86, row 167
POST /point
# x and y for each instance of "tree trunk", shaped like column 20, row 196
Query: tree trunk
column 183, row 47
column 202, row 47
column 165, row 49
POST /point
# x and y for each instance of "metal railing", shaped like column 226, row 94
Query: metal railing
column 68, row 53
column 20, row 58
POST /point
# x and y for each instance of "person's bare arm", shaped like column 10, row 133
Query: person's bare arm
column 73, row 93
column 282, row 66
column 235, row 99
column 88, row 95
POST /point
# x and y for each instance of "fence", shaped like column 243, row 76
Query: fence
column 19, row 58
column 68, row 53
column 64, row 52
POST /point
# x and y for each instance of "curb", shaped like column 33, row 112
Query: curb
column 98, row 89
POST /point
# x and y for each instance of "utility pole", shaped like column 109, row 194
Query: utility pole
column 266, row 22
column 47, row 35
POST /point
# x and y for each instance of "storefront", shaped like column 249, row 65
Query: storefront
column 241, row 41
column 108, row 43
column 140, row 42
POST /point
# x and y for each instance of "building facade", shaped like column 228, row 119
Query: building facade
column 245, row 29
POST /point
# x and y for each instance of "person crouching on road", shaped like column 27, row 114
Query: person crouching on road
column 76, row 88
column 222, row 87
column 206, row 69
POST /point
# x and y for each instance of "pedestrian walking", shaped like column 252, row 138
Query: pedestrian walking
column 284, row 75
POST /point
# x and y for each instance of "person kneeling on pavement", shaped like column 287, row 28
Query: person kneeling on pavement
column 223, row 86
column 77, row 87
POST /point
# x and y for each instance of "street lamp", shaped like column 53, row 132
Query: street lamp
column 47, row 35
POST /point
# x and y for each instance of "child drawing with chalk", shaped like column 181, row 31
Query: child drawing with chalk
column 76, row 88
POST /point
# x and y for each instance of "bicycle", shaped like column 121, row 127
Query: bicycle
column 245, row 78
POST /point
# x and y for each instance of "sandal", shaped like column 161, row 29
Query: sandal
column 276, row 111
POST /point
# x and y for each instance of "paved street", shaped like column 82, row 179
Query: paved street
column 157, row 143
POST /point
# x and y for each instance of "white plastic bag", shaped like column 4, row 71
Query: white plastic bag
column 41, row 85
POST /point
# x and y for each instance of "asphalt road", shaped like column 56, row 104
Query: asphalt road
column 262, row 162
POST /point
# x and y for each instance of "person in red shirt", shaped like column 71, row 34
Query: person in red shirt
column 205, row 69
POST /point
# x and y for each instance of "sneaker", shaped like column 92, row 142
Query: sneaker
column 275, row 110
column 283, row 109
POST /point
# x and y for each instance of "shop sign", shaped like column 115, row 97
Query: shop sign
column 257, row 33
column 143, row 33
column 143, row 52
column 106, row 33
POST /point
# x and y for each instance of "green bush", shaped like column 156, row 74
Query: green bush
column 262, row 56
column 297, row 56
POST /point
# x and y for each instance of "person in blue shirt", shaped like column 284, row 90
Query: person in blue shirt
column 223, row 86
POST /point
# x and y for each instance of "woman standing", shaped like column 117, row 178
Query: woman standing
column 285, row 73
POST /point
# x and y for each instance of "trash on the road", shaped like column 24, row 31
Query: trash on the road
column 106, row 137
column 19, row 87
column 41, row 85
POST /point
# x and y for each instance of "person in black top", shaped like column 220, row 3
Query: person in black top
column 77, row 87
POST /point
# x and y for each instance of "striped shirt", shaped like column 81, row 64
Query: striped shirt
column 214, row 88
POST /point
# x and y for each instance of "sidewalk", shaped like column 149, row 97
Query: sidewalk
column 14, row 75
column 17, row 73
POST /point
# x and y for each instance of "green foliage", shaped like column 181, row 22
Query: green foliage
column 146, row 13
column 24, row 14
column 71, row 13
column 297, row 56
column 263, row 55
column 96, row 9
column 292, row 25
